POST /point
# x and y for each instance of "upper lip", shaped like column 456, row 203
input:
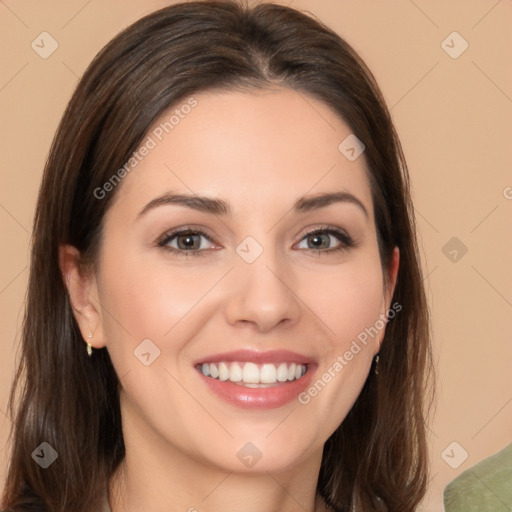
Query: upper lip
column 257, row 357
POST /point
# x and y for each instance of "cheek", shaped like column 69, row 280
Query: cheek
column 351, row 304
column 348, row 300
column 358, row 304
column 145, row 301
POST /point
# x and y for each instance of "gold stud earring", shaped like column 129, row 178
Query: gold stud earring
column 376, row 364
column 89, row 346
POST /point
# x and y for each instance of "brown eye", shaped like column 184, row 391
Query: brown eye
column 188, row 242
column 323, row 239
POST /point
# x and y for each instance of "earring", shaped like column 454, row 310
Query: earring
column 89, row 346
column 376, row 370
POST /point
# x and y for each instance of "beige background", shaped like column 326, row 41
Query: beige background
column 454, row 117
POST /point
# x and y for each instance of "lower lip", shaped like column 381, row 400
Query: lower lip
column 259, row 398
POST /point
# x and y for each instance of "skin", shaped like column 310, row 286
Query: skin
column 260, row 152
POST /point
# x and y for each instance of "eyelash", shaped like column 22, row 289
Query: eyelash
column 345, row 239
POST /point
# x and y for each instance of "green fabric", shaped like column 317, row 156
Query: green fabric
column 486, row 487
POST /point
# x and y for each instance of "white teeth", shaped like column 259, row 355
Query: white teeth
column 214, row 372
column 291, row 372
column 268, row 374
column 223, row 371
column 282, row 372
column 253, row 375
column 235, row 372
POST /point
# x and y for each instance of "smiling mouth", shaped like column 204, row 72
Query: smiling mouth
column 253, row 375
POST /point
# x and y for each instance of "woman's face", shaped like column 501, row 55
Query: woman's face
column 269, row 290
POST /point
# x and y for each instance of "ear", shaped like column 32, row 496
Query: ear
column 83, row 295
column 389, row 291
column 392, row 273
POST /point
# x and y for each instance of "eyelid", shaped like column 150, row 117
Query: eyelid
column 343, row 236
column 322, row 227
column 172, row 233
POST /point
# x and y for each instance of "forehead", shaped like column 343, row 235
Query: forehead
column 260, row 151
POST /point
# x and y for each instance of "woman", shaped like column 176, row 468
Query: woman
column 225, row 306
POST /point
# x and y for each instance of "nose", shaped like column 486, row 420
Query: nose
column 261, row 294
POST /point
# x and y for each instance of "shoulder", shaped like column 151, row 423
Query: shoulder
column 483, row 487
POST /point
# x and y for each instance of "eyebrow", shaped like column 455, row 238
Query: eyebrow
column 220, row 207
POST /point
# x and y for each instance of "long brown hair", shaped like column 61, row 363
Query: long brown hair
column 377, row 458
